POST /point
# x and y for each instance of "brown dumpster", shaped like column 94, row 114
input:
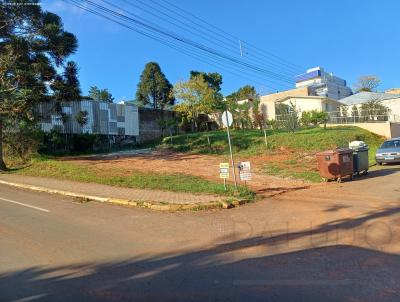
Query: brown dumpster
column 335, row 164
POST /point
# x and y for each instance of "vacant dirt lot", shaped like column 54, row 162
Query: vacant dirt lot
column 205, row 166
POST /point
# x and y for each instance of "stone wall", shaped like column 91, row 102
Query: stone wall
column 149, row 123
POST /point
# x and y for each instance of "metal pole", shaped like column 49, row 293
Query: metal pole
column 265, row 138
column 230, row 151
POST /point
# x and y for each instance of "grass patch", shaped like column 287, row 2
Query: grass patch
column 319, row 139
column 296, row 145
column 279, row 169
column 251, row 142
column 47, row 167
column 215, row 142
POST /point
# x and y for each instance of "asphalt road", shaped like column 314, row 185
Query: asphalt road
column 290, row 248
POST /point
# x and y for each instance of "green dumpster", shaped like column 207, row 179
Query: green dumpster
column 360, row 157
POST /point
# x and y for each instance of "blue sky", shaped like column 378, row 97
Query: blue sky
column 349, row 38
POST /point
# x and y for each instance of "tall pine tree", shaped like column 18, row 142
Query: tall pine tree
column 154, row 89
column 33, row 43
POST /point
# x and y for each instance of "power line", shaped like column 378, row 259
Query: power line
column 169, row 44
column 157, row 29
column 156, row 32
column 216, row 38
column 257, row 49
column 197, row 46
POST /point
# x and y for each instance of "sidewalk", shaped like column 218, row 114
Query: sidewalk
column 108, row 192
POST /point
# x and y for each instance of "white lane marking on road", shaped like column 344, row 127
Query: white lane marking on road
column 30, row 298
column 24, row 205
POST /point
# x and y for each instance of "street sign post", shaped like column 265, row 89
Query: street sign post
column 224, row 172
column 227, row 120
column 244, row 171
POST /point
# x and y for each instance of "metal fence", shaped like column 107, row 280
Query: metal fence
column 341, row 117
column 367, row 116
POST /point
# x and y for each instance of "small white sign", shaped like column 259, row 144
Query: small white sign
column 224, row 170
column 227, row 118
column 244, row 170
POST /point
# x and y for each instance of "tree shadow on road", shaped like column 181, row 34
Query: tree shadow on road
column 225, row 272
column 386, row 170
column 334, row 273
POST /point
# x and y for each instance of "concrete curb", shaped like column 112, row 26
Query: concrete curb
column 123, row 202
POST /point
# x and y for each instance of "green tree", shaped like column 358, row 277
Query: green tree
column 243, row 93
column 100, row 95
column 196, row 97
column 21, row 144
column 243, row 115
column 258, row 115
column 32, row 44
column 319, row 117
column 213, row 79
column 65, row 88
column 314, row 117
column 287, row 116
column 82, row 118
column 153, row 88
column 168, row 124
column 232, row 106
column 306, row 118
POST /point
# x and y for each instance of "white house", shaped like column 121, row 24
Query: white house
column 308, row 103
column 391, row 101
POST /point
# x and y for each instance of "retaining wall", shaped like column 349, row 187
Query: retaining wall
column 386, row 129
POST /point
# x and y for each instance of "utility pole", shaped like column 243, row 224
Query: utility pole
column 241, row 48
column 230, row 149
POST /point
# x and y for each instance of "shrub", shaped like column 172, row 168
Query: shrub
column 314, row 117
column 21, row 140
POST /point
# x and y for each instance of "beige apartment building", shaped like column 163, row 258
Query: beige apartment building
column 315, row 90
column 393, row 91
column 268, row 102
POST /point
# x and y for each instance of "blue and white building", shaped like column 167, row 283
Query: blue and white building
column 322, row 83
